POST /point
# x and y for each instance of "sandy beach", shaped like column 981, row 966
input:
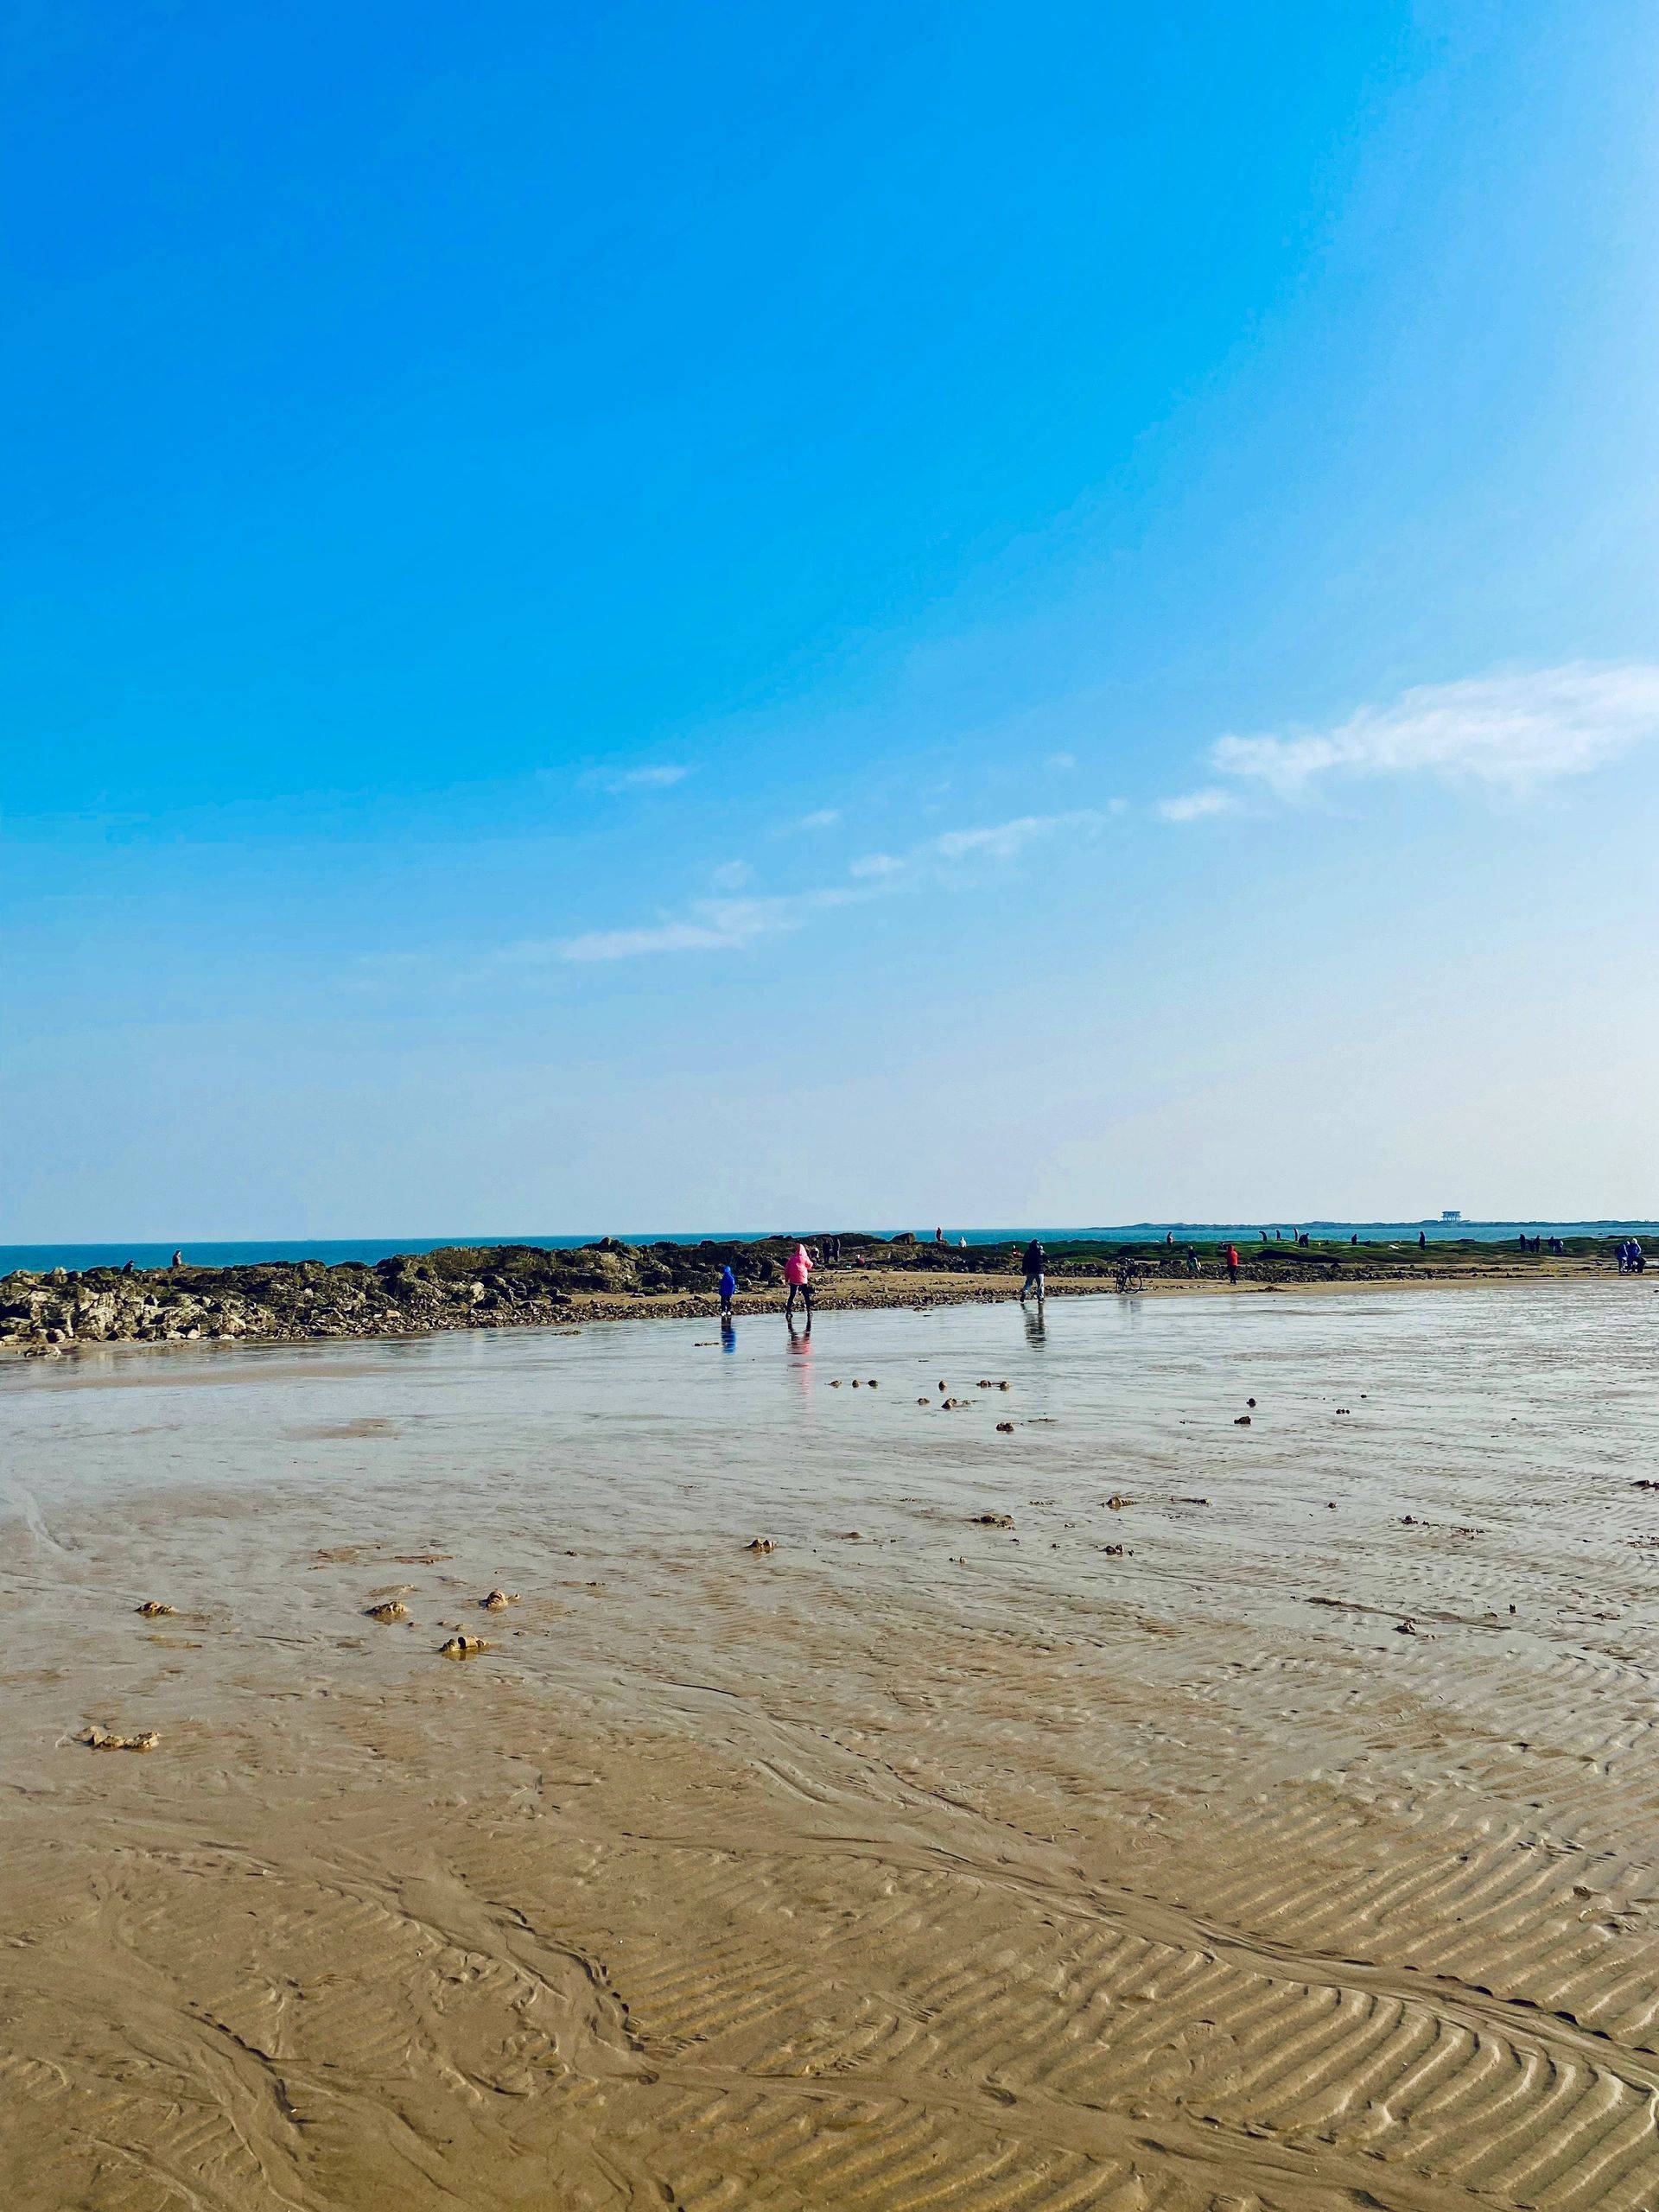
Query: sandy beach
column 1165, row 1800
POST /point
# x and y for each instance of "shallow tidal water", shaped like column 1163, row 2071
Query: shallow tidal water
column 1281, row 1835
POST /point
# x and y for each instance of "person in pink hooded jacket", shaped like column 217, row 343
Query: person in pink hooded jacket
column 798, row 1274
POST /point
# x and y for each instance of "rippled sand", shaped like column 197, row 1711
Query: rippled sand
column 932, row 1866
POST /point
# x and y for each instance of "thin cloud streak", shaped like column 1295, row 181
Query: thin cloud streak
column 1512, row 733
column 708, row 925
column 734, row 925
column 998, row 841
column 1199, row 806
column 654, row 777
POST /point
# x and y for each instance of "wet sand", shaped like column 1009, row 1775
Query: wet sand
column 1232, row 1845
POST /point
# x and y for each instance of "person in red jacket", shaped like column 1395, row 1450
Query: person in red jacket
column 1231, row 1257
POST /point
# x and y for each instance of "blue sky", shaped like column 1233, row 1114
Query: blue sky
column 657, row 617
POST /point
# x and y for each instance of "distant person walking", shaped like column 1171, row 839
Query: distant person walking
column 1034, row 1271
column 1638, row 1264
column 728, row 1291
column 178, row 1259
column 1231, row 1257
column 798, row 1274
column 1422, row 1240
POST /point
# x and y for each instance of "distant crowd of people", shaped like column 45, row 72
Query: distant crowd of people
column 799, row 1266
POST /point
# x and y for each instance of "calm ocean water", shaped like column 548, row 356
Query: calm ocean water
column 332, row 1250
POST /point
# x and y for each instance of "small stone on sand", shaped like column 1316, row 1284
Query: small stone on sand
column 761, row 1544
column 499, row 1600
column 1005, row 1428
column 105, row 1739
column 153, row 1609
column 461, row 1647
column 994, row 1520
column 392, row 1609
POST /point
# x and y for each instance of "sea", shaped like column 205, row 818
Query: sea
column 250, row 1251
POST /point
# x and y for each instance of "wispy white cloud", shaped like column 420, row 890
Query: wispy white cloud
column 1513, row 733
column 731, row 925
column 707, row 926
column 996, row 840
column 822, row 818
column 655, row 776
column 1061, row 760
column 732, row 875
column 1200, row 805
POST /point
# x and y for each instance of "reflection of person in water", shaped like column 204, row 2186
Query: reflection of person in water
column 800, row 1349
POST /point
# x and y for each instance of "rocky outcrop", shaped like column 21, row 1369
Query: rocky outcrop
column 505, row 1286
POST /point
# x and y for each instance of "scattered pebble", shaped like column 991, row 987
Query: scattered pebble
column 1116, row 1551
column 1005, row 1428
column 499, row 1600
column 1117, row 1502
column 104, row 1740
column 994, row 1520
column 392, row 1609
column 761, row 1544
column 1191, row 1501
column 1241, row 1420
column 153, row 1609
column 462, row 1647
column 1250, row 1403
column 1407, row 1627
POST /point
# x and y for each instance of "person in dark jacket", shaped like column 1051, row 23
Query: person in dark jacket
column 1034, row 1271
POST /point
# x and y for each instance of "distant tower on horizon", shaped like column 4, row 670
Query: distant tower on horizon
column 1451, row 1213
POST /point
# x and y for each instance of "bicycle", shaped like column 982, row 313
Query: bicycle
column 1127, row 1276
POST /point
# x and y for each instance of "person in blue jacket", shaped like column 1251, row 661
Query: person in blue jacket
column 728, row 1291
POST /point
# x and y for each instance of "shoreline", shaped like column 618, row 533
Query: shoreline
column 201, row 1320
